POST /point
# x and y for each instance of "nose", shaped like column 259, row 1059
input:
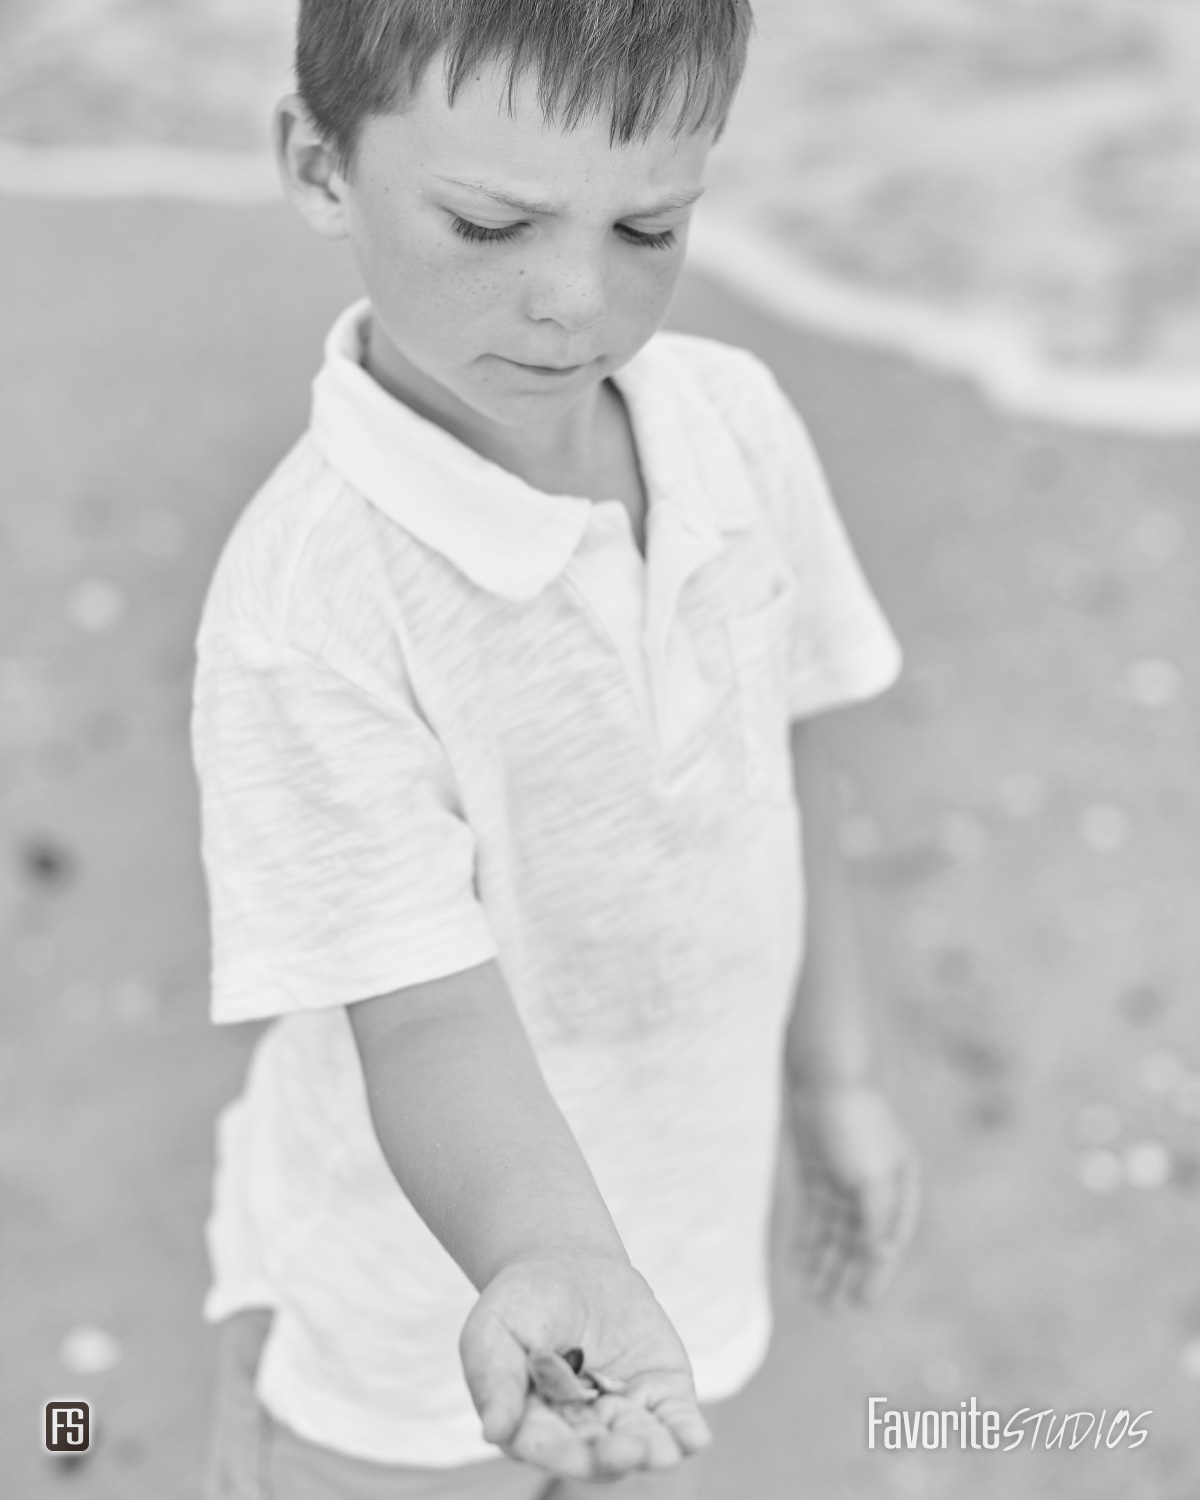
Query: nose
column 567, row 289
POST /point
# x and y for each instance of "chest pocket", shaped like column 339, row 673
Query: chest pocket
column 760, row 644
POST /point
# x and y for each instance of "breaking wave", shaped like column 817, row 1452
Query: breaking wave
column 1005, row 189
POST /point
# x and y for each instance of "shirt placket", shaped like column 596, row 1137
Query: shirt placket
column 678, row 545
column 636, row 601
column 609, row 578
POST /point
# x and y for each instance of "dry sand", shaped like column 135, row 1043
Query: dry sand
column 1021, row 813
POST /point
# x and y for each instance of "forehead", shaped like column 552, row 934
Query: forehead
column 494, row 132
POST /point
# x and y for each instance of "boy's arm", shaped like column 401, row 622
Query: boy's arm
column 859, row 1167
column 829, row 1035
column 470, row 1130
column 484, row 1154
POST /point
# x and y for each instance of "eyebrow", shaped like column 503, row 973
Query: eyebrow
column 529, row 206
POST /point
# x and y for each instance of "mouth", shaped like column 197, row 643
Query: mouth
column 550, row 370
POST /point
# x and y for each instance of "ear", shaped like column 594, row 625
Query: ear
column 312, row 179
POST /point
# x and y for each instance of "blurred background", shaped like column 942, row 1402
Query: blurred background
column 966, row 235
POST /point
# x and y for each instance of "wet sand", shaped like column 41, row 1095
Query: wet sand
column 1020, row 813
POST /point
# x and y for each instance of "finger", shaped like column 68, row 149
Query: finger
column 857, row 1256
column 880, row 1202
column 660, row 1450
column 812, row 1249
column 822, row 1221
column 683, row 1419
column 843, row 1274
column 545, row 1440
column 873, row 1272
column 619, row 1451
column 821, row 1263
column 497, row 1375
column 828, row 1237
column 882, row 1249
column 828, row 1263
column 881, row 1259
column 825, row 1270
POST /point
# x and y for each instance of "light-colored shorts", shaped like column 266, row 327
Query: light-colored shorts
column 252, row 1456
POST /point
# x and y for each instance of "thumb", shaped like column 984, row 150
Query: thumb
column 497, row 1376
column 882, row 1208
column 876, row 1195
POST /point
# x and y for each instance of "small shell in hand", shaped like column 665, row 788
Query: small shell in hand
column 561, row 1379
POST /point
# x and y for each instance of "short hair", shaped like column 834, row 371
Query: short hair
column 357, row 58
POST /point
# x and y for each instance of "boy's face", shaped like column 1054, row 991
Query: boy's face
column 512, row 311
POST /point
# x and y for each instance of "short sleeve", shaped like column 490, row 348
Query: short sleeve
column 843, row 649
column 338, row 864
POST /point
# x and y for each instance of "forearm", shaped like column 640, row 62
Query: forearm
column 829, row 1034
column 470, row 1130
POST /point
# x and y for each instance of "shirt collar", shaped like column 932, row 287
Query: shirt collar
column 507, row 537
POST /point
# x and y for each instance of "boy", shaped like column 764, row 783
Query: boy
column 494, row 688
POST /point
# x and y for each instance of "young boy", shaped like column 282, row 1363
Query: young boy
column 500, row 725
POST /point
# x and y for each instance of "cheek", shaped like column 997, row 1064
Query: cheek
column 643, row 291
column 424, row 286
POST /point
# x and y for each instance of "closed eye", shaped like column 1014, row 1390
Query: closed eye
column 479, row 234
column 661, row 241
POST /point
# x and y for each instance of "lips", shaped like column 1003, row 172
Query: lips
column 548, row 369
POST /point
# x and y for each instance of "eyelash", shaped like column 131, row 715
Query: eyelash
column 477, row 234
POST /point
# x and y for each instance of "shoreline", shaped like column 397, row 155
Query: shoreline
column 996, row 355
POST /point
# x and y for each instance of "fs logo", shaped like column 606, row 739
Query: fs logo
column 68, row 1426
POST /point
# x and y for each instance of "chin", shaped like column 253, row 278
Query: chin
column 525, row 408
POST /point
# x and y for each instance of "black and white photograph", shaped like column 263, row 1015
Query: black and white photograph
column 599, row 712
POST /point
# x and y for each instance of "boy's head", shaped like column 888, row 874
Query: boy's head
column 637, row 60
column 514, row 177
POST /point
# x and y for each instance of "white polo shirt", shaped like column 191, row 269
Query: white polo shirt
column 442, row 717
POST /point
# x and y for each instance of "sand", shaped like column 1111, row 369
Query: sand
column 1020, row 814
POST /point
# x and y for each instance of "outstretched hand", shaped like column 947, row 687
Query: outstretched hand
column 861, row 1186
column 604, row 1307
